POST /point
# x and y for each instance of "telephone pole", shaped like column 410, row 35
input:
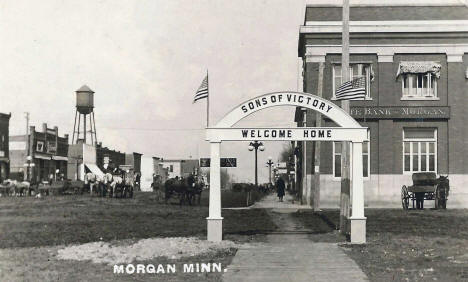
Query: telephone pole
column 345, row 179
column 28, row 153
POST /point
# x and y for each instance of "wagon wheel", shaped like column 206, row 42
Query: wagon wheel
column 404, row 197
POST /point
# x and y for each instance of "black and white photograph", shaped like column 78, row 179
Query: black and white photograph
column 234, row 140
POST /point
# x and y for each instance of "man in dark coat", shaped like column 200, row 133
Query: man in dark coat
column 280, row 186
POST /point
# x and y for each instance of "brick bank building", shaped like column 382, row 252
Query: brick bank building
column 414, row 57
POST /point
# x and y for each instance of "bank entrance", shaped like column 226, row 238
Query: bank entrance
column 348, row 130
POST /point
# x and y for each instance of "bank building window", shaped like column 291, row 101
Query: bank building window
column 419, row 150
column 356, row 70
column 337, row 159
column 419, row 80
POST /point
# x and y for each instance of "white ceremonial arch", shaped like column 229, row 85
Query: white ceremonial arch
column 349, row 130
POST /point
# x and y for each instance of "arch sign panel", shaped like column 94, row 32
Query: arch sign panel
column 297, row 99
column 348, row 130
column 288, row 134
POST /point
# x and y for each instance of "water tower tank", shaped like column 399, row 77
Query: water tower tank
column 85, row 100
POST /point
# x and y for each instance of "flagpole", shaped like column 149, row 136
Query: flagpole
column 207, row 101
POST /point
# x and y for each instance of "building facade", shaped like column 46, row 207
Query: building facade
column 39, row 154
column 181, row 168
column 414, row 59
column 106, row 156
column 134, row 161
column 87, row 157
column 4, row 146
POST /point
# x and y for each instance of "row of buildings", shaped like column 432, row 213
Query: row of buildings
column 414, row 58
column 43, row 153
column 40, row 153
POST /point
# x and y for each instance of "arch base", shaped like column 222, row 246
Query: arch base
column 215, row 229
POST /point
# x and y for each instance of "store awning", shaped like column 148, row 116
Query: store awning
column 43, row 157
column 94, row 169
column 419, row 67
column 60, row 158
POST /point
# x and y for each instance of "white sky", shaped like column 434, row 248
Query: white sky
column 145, row 60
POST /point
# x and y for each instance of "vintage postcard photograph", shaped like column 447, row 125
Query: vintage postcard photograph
column 234, row 140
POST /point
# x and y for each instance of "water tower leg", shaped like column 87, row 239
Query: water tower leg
column 78, row 127
column 84, row 128
column 74, row 128
column 91, row 130
column 94, row 124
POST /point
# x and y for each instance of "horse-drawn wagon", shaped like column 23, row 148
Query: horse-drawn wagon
column 426, row 186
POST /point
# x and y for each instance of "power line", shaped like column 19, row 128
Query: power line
column 154, row 129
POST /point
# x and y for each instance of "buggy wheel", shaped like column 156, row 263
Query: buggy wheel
column 404, row 197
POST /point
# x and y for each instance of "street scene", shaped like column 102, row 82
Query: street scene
column 216, row 140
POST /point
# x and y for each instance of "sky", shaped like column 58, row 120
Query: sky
column 145, row 60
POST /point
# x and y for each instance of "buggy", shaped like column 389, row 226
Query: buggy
column 426, row 186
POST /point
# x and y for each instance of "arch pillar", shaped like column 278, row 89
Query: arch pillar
column 358, row 220
column 214, row 219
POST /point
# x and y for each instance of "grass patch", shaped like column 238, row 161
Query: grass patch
column 61, row 220
column 412, row 245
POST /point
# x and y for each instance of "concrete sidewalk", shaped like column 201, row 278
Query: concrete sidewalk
column 272, row 202
column 291, row 257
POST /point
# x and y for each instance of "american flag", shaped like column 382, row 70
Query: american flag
column 202, row 91
column 352, row 90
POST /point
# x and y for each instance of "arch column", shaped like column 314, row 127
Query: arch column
column 358, row 220
column 214, row 219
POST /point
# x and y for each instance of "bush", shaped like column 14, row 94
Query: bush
column 237, row 196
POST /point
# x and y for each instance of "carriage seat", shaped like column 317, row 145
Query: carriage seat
column 424, row 182
column 424, row 178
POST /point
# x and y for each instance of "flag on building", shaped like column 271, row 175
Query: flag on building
column 202, row 91
column 352, row 90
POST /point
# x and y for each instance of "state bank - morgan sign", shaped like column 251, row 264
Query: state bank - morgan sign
column 400, row 112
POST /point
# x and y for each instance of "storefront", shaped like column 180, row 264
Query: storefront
column 39, row 155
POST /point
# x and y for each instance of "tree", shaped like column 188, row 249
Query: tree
column 225, row 178
column 286, row 152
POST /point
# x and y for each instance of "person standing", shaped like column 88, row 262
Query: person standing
column 280, row 186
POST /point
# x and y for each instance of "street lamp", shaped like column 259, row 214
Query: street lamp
column 269, row 163
column 255, row 146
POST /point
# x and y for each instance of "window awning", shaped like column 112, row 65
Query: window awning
column 94, row 169
column 419, row 67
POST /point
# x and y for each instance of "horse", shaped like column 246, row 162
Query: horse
column 129, row 186
column 118, row 183
column 90, row 181
column 195, row 188
column 185, row 188
column 157, row 187
column 16, row 188
column 176, row 186
column 443, row 188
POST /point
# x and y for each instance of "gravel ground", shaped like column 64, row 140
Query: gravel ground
column 145, row 249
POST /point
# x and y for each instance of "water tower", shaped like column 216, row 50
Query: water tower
column 84, row 111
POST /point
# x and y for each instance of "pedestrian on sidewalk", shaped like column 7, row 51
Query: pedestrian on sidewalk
column 280, row 186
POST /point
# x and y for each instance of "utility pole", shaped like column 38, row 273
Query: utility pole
column 28, row 161
column 345, row 180
column 318, row 123
column 305, row 199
